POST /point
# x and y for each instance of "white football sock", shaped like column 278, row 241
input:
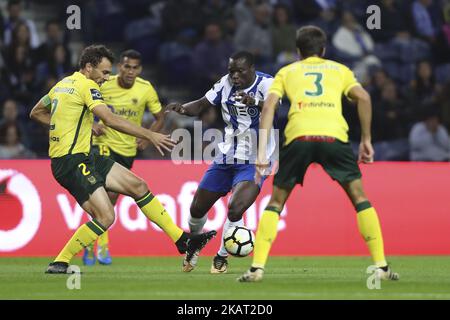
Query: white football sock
column 196, row 224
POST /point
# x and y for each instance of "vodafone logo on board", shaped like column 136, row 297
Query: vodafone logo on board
column 20, row 210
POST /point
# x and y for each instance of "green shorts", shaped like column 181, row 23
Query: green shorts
column 334, row 156
column 105, row 151
column 81, row 174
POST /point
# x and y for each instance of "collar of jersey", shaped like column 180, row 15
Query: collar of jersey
column 313, row 60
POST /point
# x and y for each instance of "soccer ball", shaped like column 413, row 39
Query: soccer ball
column 239, row 241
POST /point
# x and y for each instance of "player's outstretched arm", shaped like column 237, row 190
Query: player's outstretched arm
column 160, row 141
column 41, row 113
column 191, row 109
column 362, row 98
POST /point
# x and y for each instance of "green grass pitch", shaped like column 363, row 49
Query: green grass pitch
column 421, row 277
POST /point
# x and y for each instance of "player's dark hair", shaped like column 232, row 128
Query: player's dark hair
column 245, row 55
column 130, row 54
column 310, row 40
column 94, row 55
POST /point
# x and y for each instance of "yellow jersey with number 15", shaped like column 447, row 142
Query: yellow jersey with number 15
column 71, row 101
column 130, row 104
column 314, row 87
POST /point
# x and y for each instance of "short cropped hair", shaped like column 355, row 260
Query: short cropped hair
column 310, row 40
column 245, row 55
column 131, row 54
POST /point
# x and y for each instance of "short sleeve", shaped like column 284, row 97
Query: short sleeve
column 152, row 101
column 348, row 80
column 266, row 83
column 214, row 95
column 91, row 95
column 277, row 86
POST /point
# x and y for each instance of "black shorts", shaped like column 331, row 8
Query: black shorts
column 104, row 151
column 81, row 174
column 334, row 156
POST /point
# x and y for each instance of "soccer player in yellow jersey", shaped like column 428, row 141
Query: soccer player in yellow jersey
column 316, row 132
column 128, row 96
column 69, row 109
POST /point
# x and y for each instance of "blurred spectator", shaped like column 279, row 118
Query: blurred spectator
column 217, row 10
column 180, row 16
column 10, row 115
column 58, row 66
column 176, row 59
column 355, row 46
column 283, row 36
column 20, row 61
column 10, row 144
column 14, row 18
column 211, row 57
column 424, row 87
column 55, row 37
column 2, row 27
column 423, row 21
column 378, row 80
column 255, row 36
column 327, row 21
column 243, row 11
column 307, row 10
column 391, row 115
column 429, row 140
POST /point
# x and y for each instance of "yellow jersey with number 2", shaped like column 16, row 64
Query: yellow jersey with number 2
column 71, row 101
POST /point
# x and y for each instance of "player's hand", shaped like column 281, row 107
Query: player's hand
column 161, row 141
column 98, row 129
column 176, row 107
column 245, row 98
column 366, row 152
column 262, row 168
column 142, row 144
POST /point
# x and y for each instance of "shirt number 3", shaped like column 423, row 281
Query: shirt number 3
column 319, row 88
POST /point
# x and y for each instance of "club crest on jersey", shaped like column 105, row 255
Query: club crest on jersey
column 134, row 101
column 96, row 95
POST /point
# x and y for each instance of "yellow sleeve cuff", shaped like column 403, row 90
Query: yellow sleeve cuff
column 346, row 91
column 276, row 92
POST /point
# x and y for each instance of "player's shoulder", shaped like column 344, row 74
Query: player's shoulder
column 142, row 82
column 224, row 81
column 289, row 68
column 263, row 75
column 336, row 64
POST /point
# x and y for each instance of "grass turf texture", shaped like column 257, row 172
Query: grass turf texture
column 286, row 278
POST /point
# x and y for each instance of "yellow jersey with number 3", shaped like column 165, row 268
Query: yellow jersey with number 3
column 71, row 101
column 314, row 87
column 130, row 104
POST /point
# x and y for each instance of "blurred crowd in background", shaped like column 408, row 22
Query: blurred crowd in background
column 186, row 44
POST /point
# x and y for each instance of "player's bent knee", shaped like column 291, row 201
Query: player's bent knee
column 139, row 187
column 106, row 220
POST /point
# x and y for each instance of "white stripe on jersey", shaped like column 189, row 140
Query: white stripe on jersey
column 241, row 121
